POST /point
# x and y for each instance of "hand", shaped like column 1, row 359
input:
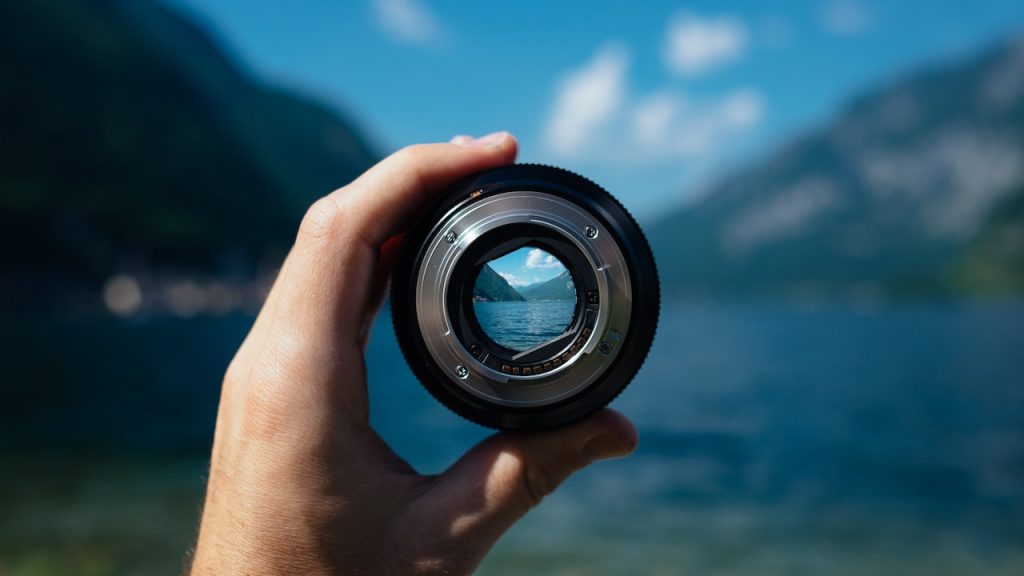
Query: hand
column 299, row 481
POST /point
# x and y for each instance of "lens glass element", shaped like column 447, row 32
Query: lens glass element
column 524, row 298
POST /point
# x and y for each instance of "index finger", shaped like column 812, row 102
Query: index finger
column 381, row 202
column 327, row 279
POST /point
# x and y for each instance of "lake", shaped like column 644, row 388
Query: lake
column 773, row 440
column 523, row 325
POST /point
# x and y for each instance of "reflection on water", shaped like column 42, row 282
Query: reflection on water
column 772, row 441
column 523, row 325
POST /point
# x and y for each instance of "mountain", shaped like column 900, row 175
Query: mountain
column 560, row 287
column 914, row 189
column 491, row 287
column 995, row 259
column 130, row 140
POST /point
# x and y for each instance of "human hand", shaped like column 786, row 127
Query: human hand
column 299, row 481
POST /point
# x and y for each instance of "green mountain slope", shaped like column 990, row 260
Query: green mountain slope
column 994, row 261
column 560, row 287
column 131, row 141
column 887, row 199
column 491, row 287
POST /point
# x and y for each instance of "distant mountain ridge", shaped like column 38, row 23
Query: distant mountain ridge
column 901, row 194
column 560, row 287
column 492, row 287
column 131, row 142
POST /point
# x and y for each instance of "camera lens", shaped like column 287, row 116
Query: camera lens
column 525, row 297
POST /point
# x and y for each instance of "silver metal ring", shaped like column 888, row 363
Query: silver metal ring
column 603, row 339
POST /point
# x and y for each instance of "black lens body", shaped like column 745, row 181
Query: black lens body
column 622, row 349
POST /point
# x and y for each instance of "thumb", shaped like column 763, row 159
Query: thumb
column 503, row 477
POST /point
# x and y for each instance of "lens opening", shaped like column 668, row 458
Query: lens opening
column 524, row 298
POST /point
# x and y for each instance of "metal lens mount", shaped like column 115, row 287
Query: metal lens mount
column 492, row 214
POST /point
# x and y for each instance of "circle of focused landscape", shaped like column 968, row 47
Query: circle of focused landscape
column 525, row 297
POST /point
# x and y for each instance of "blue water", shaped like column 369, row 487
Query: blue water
column 523, row 325
column 776, row 440
column 773, row 440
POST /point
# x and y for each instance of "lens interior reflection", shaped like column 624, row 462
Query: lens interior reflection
column 524, row 298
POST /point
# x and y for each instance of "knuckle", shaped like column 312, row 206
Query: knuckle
column 321, row 219
column 235, row 374
column 537, row 484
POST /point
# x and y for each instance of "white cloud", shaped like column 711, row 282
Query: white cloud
column 585, row 99
column 666, row 125
column 654, row 116
column 846, row 17
column 408, row 21
column 515, row 281
column 538, row 258
column 742, row 108
column 697, row 44
column 596, row 119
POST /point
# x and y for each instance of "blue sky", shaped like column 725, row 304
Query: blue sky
column 527, row 266
column 653, row 100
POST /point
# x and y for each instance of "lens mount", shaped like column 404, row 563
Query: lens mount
column 559, row 380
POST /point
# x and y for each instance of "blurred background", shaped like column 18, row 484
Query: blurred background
column 834, row 190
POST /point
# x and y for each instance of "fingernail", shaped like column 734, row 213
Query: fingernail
column 608, row 445
column 461, row 140
column 492, row 139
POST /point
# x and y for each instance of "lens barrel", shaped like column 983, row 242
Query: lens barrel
column 490, row 215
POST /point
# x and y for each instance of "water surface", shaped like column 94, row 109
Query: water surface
column 523, row 325
column 773, row 440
